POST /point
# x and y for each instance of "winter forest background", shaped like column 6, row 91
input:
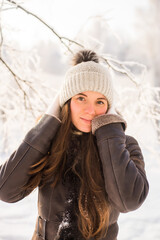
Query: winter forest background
column 37, row 39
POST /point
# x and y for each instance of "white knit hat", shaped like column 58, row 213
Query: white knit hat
column 87, row 76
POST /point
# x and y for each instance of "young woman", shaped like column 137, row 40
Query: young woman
column 85, row 167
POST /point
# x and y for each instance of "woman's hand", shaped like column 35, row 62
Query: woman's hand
column 112, row 116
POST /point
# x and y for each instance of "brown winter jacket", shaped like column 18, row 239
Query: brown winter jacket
column 123, row 170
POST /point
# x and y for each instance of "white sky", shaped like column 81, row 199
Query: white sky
column 67, row 16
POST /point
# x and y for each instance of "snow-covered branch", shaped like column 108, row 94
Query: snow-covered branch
column 121, row 67
column 64, row 40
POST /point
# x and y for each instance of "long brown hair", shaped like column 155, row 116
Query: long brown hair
column 93, row 205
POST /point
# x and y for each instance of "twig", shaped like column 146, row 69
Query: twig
column 16, row 78
column 49, row 27
column 124, row 70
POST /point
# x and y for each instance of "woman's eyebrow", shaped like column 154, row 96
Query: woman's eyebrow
column 82, row 94
column 101, row 98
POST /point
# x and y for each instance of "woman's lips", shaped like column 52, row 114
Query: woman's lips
column 87, row 120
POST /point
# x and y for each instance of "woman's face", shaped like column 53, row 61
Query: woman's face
column 84, row 107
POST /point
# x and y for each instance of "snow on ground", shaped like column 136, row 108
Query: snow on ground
column 17, row 220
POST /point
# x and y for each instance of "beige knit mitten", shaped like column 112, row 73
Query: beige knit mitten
column 54, row 108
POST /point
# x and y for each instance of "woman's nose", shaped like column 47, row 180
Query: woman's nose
column 90, row 109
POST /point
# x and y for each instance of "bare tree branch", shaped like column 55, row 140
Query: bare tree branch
column 61, row 38
column 123, row 69
column 17, row 80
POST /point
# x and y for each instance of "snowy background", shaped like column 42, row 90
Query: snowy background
column 32, row 66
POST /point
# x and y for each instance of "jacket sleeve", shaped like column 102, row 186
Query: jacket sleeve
column 36, row 144
column 123, row 166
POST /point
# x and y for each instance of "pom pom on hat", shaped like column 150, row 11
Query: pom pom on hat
column 84, row 56
column 87, row 74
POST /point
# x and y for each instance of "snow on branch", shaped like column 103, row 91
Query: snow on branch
column 121, row 67
column 64, row 40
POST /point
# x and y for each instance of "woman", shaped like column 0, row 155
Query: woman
column 86, row 168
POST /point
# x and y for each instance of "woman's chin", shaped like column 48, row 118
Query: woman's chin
column 84, row 129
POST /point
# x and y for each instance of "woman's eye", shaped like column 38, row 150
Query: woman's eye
column 100, row 102
column 80, row 98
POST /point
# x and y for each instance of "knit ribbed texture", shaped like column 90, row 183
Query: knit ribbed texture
column 87, row 76
column 103, row 120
